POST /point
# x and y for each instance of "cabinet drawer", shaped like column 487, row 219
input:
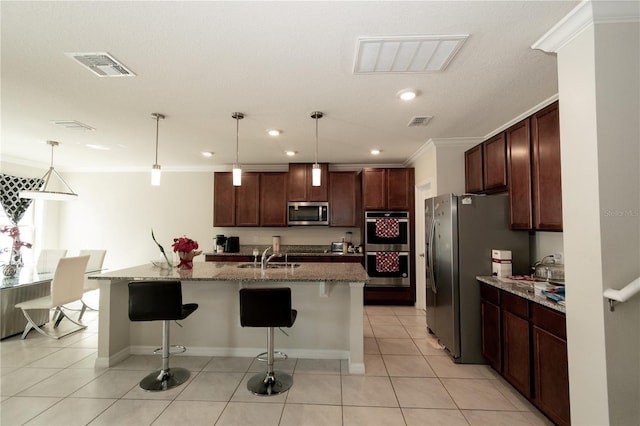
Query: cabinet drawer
column 515, row 304
column 490, row 294
column 549, row 320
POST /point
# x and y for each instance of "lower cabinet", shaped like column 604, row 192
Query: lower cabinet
column 527, row 344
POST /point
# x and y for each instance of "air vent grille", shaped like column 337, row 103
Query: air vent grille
column 420, row 121
column 102, row 64
column 406, row 54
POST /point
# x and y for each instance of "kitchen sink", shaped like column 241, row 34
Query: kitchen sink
column 269, row 266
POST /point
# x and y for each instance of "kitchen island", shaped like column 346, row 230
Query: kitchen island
column 329, row 301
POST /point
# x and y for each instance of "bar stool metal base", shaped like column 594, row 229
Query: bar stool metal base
column 161, row 380
column 266, row 384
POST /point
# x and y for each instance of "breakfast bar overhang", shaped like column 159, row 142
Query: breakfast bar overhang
column 328, row 297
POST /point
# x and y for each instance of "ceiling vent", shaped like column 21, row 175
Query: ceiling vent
column 102, row 64
column 72, row 124
column 406, row 54
column 420, row 121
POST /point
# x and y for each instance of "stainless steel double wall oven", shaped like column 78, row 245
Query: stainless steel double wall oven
column 387, row 248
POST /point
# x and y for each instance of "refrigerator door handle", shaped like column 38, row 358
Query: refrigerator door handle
column 431, row 263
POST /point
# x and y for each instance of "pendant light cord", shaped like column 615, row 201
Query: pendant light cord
column 237, row 131
column 157, row 131
column 316, row 139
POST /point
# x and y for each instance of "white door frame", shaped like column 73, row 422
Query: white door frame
column 423, row 191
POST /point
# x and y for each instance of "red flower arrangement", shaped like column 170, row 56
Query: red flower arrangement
column 186, row 248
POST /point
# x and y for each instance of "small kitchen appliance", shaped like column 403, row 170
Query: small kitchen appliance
column 232, row 245
column 219, row 243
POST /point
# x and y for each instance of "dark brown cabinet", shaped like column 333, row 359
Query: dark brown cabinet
column 547, row 184
column 486, row 166
column 387, row 189
column 516, row 350
column 473, row 176
column 344, row 194
column 248, row 200
column 491, row 325
column 494, row 162
column 259, row 201
column 519, row 166
column 273, row 199
column 527, row 343
column 551, row 372
column 300, row 188
column 224, row 200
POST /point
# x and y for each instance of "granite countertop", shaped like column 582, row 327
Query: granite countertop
column 291, row 250
column 229, row 271
column 523, row 289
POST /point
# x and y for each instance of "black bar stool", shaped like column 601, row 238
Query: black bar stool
column 160, row 301
column 267, row 307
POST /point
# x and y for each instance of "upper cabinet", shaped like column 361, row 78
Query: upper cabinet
column 387, row 189
column 547, row 182
column 525, row 160
column 486, row 166
column 300, row 188
column 259, row 201
column 344, row 195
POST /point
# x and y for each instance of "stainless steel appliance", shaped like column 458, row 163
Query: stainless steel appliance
column 387, row 248
column 461, row 232
column 308, row 213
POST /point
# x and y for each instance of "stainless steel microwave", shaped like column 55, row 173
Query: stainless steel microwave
column 308, row 213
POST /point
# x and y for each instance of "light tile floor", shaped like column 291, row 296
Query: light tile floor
column 409, row 381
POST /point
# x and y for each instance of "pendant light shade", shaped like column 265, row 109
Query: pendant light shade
column 155, row 169
column 47, row 192
column 237, row 171
column 316, row 172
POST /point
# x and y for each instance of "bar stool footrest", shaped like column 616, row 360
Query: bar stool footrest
column 277, row 356
column 180, row 349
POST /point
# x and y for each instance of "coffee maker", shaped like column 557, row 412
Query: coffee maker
column 220, row 242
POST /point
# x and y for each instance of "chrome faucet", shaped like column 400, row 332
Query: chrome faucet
column 264, row 260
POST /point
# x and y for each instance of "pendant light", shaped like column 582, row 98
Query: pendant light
column 316, row 172
column 237, row 171
column 155, row 169
column 47, row 193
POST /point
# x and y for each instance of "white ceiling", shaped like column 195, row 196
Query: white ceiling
column 197, row 62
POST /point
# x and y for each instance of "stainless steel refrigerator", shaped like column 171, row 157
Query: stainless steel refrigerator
column 461, row 232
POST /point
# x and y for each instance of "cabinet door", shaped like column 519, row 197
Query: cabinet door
column 551, row 375
column 547, row 185
column 248, row 200
column 343, row 194
column 300, row 188
column 374, row 189
column 495, row 163
column 224, row 200
column 490, row 325
column 519, row 167
column 297, row 182
column 273, row 199
column 318, row 193
column 400, row 189
column 516, row 352
column 473, row 170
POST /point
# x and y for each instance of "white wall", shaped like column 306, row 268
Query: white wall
column 116, row 211
column 599, row 93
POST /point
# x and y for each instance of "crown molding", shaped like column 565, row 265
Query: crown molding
column 522, row 116
column 582, row 16
column 434, row 143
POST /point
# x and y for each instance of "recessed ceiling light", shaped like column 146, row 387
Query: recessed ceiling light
column 207, row 154
column 274, row 132
column 375, row 151
column 407, row 94
column 290, row 153
column 98, row 147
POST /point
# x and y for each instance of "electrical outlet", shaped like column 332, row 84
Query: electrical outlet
column 558, row 257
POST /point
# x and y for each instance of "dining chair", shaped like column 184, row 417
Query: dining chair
column 67, row 286
column 96, row 259
column 48, row 260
